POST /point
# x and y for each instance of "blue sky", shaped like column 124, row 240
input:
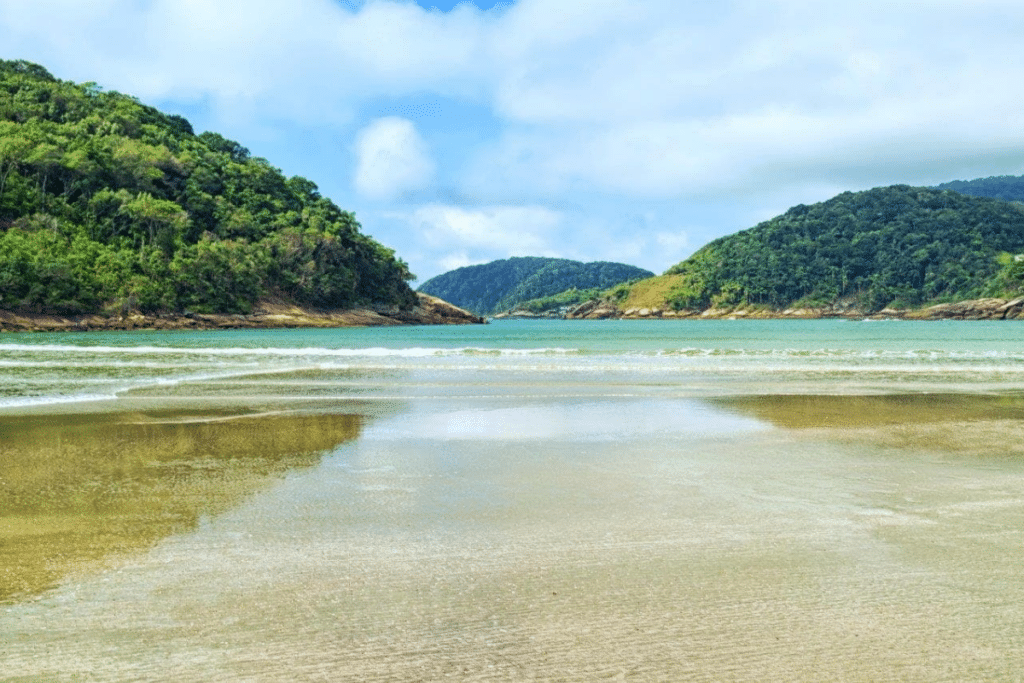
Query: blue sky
column 625, row 130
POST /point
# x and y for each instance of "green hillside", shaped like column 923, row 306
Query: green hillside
column 108, row 205
column 893, row 246
column 501, row 285
column 1008, row 187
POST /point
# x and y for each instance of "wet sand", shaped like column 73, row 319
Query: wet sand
column 79, row 492
column 989, row 425
column 788, row 538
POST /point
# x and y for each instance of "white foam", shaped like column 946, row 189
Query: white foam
column 372, row 352
column 31, row 401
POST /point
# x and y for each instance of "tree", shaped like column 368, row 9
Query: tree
column 164, row 221
column 97, row 178
column 14, row 149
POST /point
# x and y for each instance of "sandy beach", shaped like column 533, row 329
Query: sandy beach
column 344, row 509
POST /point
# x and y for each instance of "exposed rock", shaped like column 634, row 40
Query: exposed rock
column 434, row 311
column 1014, row 309
column 529, row 315
column 583, row 310
column 603, row 313
column 595, row 309
column 979, row 309
column 801, row 313
column 430, row 311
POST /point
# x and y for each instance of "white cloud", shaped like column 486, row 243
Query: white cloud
column 506, row 230
column 444, row 237
column 311, row 61
column 392, row 159
column 750, row 104
column 672, row 242
column 656, row 99
column 640, row 97
column 455, row 261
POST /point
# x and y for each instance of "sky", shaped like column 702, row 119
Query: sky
column 598, row 130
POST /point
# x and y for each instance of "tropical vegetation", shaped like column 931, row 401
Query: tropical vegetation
column 559, row 303
column 108, row 205
column 896, row 246
column 505, row 284
column 1008, row 187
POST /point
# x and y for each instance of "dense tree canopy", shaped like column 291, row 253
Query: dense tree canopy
column 501, row 285
column 1008, row 187
column 899, row 245
column 107, row 204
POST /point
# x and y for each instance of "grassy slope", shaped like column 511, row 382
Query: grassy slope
column 652, row 293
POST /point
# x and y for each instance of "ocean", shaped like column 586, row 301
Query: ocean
column 530, row 500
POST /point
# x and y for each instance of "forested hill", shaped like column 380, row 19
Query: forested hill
column 501, row 285
column 1008, row 187
column 108, row 205
column 893, row 246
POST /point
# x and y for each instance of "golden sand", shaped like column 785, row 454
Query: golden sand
column 80, row 491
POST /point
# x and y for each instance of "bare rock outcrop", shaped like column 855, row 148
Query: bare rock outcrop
column 595, row 309
column 429, row 311
column 976, row 309
column 434, row 311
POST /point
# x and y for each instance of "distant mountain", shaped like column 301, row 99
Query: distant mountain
column 501, row 285
column 1008, row 187
column 897, row 246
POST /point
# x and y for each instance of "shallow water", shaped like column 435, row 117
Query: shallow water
column 80, row 491
column 676, row 503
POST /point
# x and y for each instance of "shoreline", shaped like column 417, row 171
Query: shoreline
column 974, row 309
column 267, row 315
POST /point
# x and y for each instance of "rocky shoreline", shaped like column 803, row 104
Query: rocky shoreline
column 430, row 311
column 976, row 309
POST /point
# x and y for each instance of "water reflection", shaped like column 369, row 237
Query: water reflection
column 468, row 540
column 950, row 424
column 78, row 491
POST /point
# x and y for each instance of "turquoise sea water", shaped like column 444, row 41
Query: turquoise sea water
column 526, row 500
column 693, row 358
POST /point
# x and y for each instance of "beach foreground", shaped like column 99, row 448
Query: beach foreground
column 521, row 518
